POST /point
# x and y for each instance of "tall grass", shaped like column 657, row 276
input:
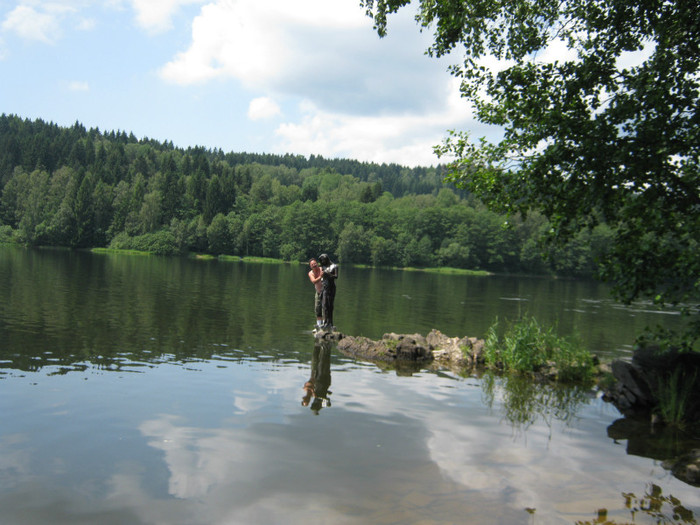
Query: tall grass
column 528, row 347
column 673, row 394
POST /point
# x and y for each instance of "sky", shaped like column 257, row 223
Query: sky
column 263, row 76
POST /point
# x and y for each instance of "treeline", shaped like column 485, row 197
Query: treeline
column 85, row 188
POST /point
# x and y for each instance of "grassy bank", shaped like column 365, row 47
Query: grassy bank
column 260, row 260
column 120, row 251
column 271, row 260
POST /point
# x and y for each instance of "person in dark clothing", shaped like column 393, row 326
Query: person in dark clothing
column 329, row 270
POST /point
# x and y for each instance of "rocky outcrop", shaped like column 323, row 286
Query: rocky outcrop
column 639, row 383
column 653, row 379
column 452, row 352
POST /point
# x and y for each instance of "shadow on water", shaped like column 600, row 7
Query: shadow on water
column 675, row 447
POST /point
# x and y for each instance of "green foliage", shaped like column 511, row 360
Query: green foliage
column 159, row 243
column 6, row 234
column 528, row 347
column 219, row 235
column 674, row 393
column 607, row 133
column 78, row 188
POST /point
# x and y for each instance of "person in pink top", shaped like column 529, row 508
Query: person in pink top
column 315, row 276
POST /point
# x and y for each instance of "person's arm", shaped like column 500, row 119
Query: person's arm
column 314, row 279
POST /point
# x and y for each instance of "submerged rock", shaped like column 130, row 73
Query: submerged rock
column 686, row 467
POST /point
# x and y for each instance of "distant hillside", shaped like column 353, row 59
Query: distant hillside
column 69, row 186
column 32, row 144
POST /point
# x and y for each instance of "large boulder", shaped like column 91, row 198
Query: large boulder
column 638, row 383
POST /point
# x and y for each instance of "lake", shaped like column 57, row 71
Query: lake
column 148, row 390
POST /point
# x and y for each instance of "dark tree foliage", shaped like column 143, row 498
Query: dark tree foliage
column 609, row 132
column 111, row 189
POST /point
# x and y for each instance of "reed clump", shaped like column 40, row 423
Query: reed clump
column 526, row 346
column 674, row 396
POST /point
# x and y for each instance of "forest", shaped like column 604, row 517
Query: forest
column 80, row 188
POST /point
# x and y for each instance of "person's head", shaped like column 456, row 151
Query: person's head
column 308, row 392
column 324, row 259
column 313, row 263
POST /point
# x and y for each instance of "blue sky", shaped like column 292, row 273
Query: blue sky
column 266, row 76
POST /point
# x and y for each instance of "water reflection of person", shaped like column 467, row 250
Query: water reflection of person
column 320, row 380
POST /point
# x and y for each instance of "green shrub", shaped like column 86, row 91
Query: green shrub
column 7, row 234
column 160, row 243
column 673, row 395
column 528, row 347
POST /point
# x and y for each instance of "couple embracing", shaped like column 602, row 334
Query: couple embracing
column 323, row 275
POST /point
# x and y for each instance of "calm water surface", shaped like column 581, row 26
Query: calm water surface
column 169, row 391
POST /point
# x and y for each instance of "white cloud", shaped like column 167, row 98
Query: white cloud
column 632, row 59
column 77, row 85
column 406, row 138
column 557, row 51
column 263, row 108
column 86, row 24
column 156, row 15
column 28, row 23
column 366, row 98
column 401, row 139
column 243, row 40
column 317, row 49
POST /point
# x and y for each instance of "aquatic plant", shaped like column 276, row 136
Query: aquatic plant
column 526, row 346
column 673, row 394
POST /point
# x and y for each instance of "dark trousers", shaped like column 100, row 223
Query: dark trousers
column 327, row 300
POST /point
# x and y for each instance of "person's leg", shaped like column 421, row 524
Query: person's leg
column 318, row 309
column 324, row 308
column 328, row 314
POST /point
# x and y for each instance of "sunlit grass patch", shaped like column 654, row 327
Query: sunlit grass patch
column 448, row 271
column 528, row 347
column 120, row 251
column 247, row 259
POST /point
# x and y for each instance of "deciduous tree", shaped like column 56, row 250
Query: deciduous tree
column 612, row 125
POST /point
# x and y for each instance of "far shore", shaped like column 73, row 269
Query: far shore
column 270, row 260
